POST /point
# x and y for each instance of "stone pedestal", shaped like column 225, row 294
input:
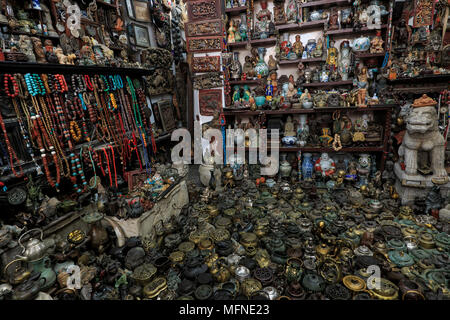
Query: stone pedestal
column 411, row 186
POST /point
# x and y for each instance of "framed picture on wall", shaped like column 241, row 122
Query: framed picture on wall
column 141, row 36
column 130, row 9
column 141, row 11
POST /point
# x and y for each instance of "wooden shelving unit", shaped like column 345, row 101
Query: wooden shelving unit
column 26, row 67
column 330, row 150
column 347, row 31
column 421, row 84
column 382, row 107
column 297, row 61
column 236, row 10
column 369, row 55
column 323, row 3
column 243, row 82
column 240, row 44
column 103, row 3
column 263, row 42
column 328, row 84
column 300, row 26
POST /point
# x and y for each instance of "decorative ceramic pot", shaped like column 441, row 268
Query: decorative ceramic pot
column 315, row 15
column 289, row 140
column 285, row 168
column 307, row 166
column 260, row 101
column 261, row 67
column 270, row 183
column 361, row 44
column 307, row 104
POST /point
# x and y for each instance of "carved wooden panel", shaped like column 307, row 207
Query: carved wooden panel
column 203, row 10
column 210, row 101
column 166, row 113
column 423, row 13
column 204, row 28
column 206, row 64
column 208, row 80
column 204, row 44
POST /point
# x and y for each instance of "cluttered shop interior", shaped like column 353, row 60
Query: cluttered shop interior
column 224, row 150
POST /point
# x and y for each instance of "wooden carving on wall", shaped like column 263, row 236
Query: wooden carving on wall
column 423, row 13
column 166, row 114
column 210, row 101
column 206, row 64
column 203, row 10
column 160, row 81
column 204, row 44
column 204, row 28
column 208, row 80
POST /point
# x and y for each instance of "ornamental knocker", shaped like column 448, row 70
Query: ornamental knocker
column 73, row 18
column 337, row 145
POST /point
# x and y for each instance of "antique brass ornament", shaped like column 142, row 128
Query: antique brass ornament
column 249, row 239
column 144, row 273
column 250, row 286
column 76, row 236
column 176, row 257
column 186, row 246
column 354, row 283
column 387, row 291
column 155, row 287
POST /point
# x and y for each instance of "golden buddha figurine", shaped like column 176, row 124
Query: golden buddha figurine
column 362, row 84
column 298, row 47
column 332, row 57
column 376, row 44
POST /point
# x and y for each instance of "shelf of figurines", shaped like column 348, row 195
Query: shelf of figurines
column 322, row 149
column 320, row 3
column 300, row 26
column 236, row 10
column 268, row 42
column 305, row 85
column 43, row 36
column 239, row 44
column 32, row 67
column 424, row 77
column 363, row 55
column 347, row 31
column 297, row 61
column 380, row 107
column 104, row 3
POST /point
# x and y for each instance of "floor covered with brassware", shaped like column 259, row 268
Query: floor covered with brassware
column 257, row 240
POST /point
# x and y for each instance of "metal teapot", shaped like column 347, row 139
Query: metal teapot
column 35, row 249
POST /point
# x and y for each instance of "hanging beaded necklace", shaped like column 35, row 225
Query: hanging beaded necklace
column 12, row 154
column 137, row 116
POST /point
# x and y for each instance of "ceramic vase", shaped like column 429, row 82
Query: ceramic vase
column 261, row 68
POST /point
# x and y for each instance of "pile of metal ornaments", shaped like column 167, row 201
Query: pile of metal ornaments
column 255, row 243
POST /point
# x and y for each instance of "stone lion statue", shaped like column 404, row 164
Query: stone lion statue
column 423, row 135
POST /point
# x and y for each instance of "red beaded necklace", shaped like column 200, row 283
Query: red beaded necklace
column 12, row 154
